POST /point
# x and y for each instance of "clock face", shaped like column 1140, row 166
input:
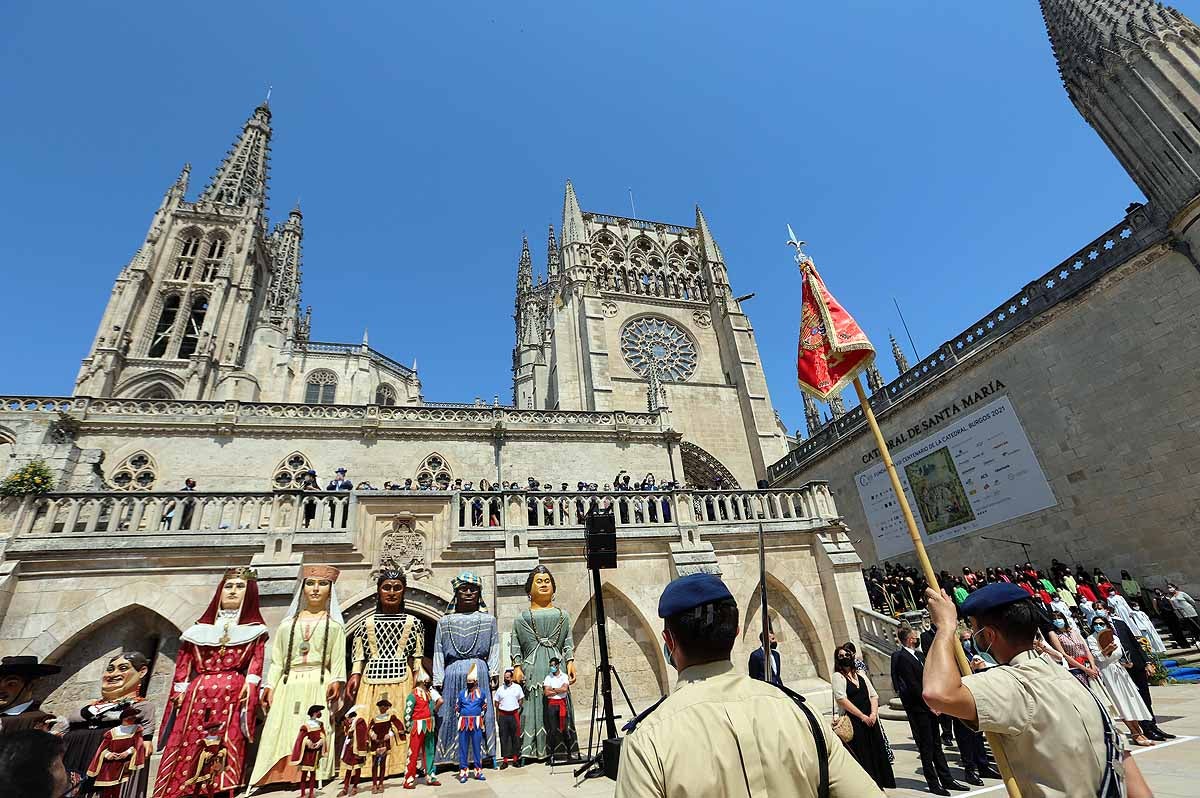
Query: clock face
column 649, row 343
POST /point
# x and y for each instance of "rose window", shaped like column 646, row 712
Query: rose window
column 649, row 343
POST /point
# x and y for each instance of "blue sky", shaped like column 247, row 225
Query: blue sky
column 926, row 150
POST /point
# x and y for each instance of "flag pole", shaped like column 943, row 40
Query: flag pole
column 960, row 656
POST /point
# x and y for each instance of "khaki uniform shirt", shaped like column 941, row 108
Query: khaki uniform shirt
column 725, row 735
column 1051, row 726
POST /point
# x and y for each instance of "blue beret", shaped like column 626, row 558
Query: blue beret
column 691, row 591
column 997, row 594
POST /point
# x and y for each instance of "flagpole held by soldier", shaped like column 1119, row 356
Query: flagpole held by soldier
column 833, row 350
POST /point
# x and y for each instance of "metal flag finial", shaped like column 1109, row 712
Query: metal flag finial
column 269, row 88
column 801, row 256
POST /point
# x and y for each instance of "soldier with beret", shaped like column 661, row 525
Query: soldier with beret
column 792, row 753
column 1058, row 738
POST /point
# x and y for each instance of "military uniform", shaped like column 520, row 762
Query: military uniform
column 1057, row 737
column 721, row 733
column 1052, row 727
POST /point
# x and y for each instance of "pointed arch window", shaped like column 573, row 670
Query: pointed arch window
column 194, row 324
column 291, row 470
column 212, row 259
column 385, row 395
column 166, row 323
column 435, row 472
column 138, row 471
column 321, row 388
column 187, row 257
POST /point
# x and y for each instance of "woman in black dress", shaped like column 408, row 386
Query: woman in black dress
column 857, row 698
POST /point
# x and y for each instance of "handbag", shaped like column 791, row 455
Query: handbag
column 842, row 726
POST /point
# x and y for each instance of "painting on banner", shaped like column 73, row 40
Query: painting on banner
column 980, row 472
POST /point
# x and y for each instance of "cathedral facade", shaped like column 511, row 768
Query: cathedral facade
column 631, row 354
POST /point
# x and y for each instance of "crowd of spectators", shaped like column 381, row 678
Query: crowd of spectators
column 1075, row 592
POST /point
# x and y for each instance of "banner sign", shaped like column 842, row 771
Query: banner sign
column 980, row 472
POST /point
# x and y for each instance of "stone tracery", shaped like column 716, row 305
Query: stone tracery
column 650, row 343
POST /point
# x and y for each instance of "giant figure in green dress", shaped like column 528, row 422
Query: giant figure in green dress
column 542, row 633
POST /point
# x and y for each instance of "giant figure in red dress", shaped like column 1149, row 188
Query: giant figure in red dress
column 217, row 675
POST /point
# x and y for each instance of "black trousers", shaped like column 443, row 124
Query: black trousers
column 971, row 750
column 946, row 724
column 510, row 741
column 926, row 733
column 1142, row 682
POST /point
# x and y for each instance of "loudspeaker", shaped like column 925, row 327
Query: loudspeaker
column 600, row 534
column 611, row 760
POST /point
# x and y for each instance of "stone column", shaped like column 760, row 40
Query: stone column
column 842, row 585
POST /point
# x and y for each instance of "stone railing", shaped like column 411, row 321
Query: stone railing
column 231, row 412
column 534, row 510
column 1068, row 278
column 356, row 349
column 638, row 224
column 876, row 630
column 124, row 513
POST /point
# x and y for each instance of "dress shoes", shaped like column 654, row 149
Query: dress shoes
column 1157, row 733
column 947, row 742
column 938, row 790
column 954, row 785
column 989, row 772
column 971, row 778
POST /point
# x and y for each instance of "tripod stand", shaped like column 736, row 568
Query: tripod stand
column 592, row 724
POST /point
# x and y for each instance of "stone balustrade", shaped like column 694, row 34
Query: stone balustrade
column 877, row 630
column 567, row 509
column 124, row 513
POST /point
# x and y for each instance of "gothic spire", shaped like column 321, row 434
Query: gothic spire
column 837, row 407
column 573, row 231
column 1130, row 68
column 241, row 179
column 551, row 256
column 874, row 378
column 283, row 296
column 898, row 355
column 812, row 416
column 707, row 243
column 524, row 268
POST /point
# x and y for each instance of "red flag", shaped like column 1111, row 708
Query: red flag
column 833, row 348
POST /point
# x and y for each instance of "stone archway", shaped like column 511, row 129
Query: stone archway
column 799, row 641
column 702, row 470
column 83, row 657
column 634, row 649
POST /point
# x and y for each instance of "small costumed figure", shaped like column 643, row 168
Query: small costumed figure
column 471, row 708
column 385, row 730
column 217, row 677
column 355, row 748
column 419, row 709
column 211, row 755
column 121, row 755
column 308, row 749
column 308, row 666
column 385, row 650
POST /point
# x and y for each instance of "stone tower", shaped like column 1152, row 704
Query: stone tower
column 628, row 303
column 184, row 311
column 1132, row 69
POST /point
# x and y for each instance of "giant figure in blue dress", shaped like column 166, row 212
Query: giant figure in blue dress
column 467, row 638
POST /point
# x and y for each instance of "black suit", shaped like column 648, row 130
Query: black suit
column 908, row 673
column 1137, row 656
column 944, row 721
column 757, row 666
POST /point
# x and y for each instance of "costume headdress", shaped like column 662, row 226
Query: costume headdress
column 473, row 674
column 320, row 572
column 388, row 569
column 26, row 667
column 423, row 675
column 463, row 579
column 215, row 629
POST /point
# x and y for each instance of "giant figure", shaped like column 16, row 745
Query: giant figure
column 19, row 710
column 466, row 638
column 542, row 633
column 217, row 677
column 386, row 651
column 308, row 668
column 121, row 689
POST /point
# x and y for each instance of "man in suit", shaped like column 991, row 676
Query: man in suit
column 908, row 671
column 757, row 664
column 945, row 722
column 1137, row 655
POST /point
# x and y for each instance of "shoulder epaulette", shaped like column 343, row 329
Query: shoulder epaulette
column 631, row 725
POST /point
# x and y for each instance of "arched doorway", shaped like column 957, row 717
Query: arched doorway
column 799, row 643
column 702, row 470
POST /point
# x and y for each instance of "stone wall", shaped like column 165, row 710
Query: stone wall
column 1105, row 386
